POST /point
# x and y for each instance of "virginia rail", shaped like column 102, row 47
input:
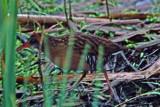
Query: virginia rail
column 57, row 47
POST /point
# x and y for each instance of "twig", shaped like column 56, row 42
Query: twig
column 65, row 11
column 70, row 10
column 107, row 7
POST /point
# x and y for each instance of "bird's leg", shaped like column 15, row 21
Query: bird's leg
column 124, row 57
column 112, row 93
column 78, row 81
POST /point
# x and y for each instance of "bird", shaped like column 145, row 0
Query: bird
column 57, row 48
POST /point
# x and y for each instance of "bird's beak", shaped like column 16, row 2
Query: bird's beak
column 26, row 45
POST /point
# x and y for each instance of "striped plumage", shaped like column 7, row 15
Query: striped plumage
column 58, row 48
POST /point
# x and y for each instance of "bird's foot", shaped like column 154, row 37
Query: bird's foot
column 111, row 96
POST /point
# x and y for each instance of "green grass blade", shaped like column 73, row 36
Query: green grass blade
column 99, row 69
column 9, row 30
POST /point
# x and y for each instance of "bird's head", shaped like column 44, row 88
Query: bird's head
column 33, row 41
